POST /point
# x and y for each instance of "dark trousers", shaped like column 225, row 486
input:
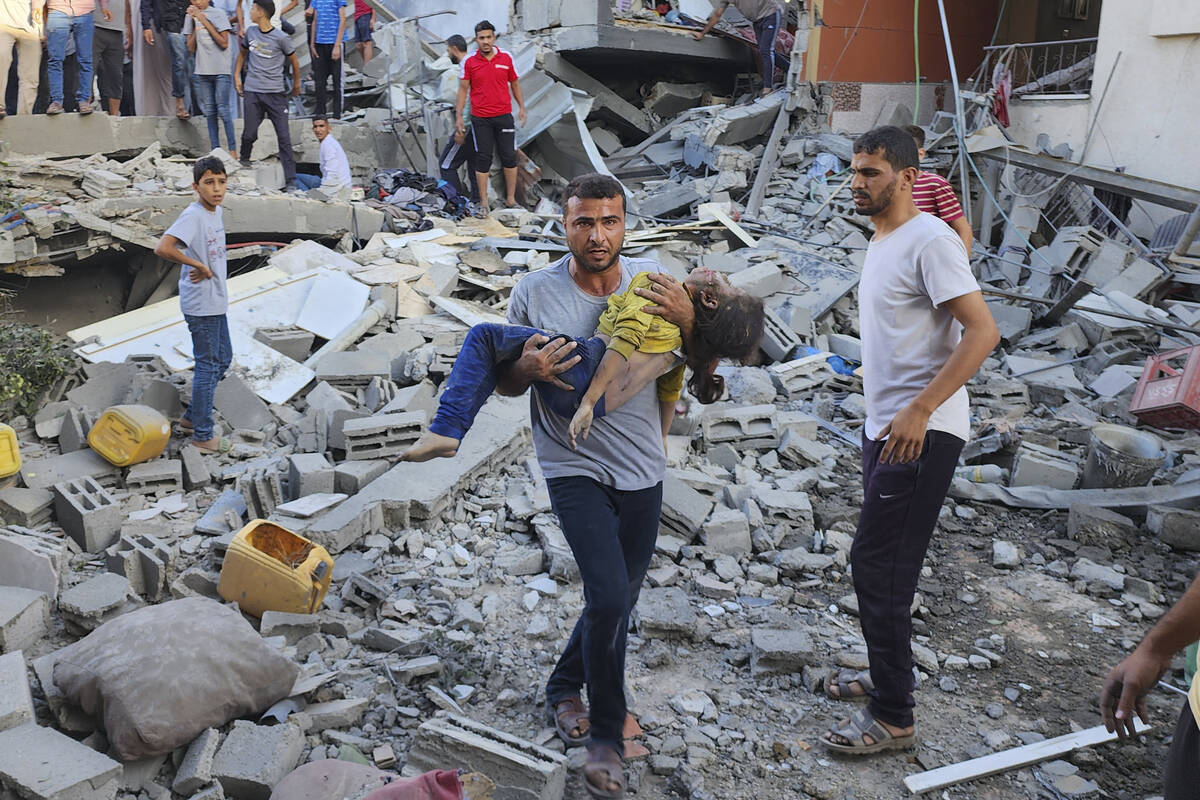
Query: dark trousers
column 765, row 31
column 213, row 354
column 494, row 133
column 108, row 51
column 452, row 159
column 901, row 503
column 1181, row 775
column 472, row 379
column 272, row 105
column 324, row 66
column 612, row 535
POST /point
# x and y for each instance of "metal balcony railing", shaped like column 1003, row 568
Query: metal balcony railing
column 1043, row 68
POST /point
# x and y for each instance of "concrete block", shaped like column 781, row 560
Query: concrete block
column 292, row 627
column 295, row 343
column 43, row 473
column 779, row 341
column 29, row 508
column 160, row 477
column 1115, row 380
column 519, row 768
column 87, row 512
column 90, row 604
column 727, row 531
column 309, row 506
column 145, row 561
column 309, row 473
column 779, row 650
column 1035, row 465
column 24, row 617
column 239, row 406
column 379, row 392
column 1013, row 320
column 747, row 427
column 196, row 770
column 108, row 385
column 337, row 426
column 336, row 713
column 1177, row 527
column 16, row 701
column 261, row 491
column 254, row 758
column 665, row 613
column 350, row 477
column 782, row 506
column 32, row 559
column 323, row 396
column 418, row 397
column 42, row 764
column 801, row 376
column 1001, row 395
column 353, row 369
column 382, row 436
column 72, row 435
column 1102, row 527
column 195, row 468
column 848, row 347
column 762, row 279
column 683, row 508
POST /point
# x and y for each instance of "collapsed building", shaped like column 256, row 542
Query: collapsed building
column 448, row 586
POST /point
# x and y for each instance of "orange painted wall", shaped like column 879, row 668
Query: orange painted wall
column 881, row 51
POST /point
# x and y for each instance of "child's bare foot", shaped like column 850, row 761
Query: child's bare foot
column 431, row 445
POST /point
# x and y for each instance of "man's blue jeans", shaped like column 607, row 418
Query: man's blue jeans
column 182, row 67
column 306, row 181
column 213, row 93
column 473, row 378
column 60, row 28
column 213, row 352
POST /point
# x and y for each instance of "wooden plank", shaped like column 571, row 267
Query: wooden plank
column 992, row 763
column 714, row 211
column 766, row 167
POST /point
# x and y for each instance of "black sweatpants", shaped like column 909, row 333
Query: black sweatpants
column 452, row 158
column 273, row 106
column 1181, row 776
column 901, row 503
column 612, row 534
column 325, row 66
column 489, row 133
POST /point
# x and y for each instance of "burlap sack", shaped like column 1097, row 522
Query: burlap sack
column 159, row 676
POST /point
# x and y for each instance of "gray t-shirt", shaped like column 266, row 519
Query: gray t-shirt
column 267, row 52
column 210, row 58
column 204, row 234
column 117, row 23
column 754, row 10
column 624, row 449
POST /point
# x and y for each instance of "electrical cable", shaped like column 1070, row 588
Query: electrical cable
column 916, row 59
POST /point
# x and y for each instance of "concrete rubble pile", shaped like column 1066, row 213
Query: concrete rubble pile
column 453, row 587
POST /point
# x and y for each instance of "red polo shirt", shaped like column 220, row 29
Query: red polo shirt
column 489, row 82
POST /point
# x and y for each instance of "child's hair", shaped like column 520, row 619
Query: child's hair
column 731, row 330
column 207, row 164
column 267, row 6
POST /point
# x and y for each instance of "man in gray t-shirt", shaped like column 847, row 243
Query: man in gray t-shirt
column 265, row 50
column 608, row 493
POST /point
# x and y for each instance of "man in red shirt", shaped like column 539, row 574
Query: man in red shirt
column 364, row 23
column 933, row 194
column 487, row 76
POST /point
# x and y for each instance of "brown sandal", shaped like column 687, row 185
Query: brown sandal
column 604, row 763
column 570, row 717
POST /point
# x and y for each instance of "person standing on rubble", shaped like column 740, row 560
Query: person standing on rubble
column 265, row 50
column 70, row 19
column 325, row 40
column 196, row 241
column 487, row 76
column 766, row 16
column 460, row 149
column 207, row 29
column 925, row 332
column 608, row 493
column 168, row 16
column 933, row 194
column 1127, row 685
column 108, row 46
column 20, row 26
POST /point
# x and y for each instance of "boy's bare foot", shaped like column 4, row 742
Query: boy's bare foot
column 431, row 445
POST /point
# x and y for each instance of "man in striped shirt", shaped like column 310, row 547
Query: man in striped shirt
column 933, row 194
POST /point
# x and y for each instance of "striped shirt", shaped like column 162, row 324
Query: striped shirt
column 934, row 195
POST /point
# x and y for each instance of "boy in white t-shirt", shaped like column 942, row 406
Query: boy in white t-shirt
column 925, row 331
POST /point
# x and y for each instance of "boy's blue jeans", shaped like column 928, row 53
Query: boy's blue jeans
column 59, row 28
column 213, row 353
column 473, row 378
column 214, row 92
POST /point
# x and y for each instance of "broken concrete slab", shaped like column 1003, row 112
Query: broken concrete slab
column 24, row 617
column 16, row 701
column 29, row 508
column 238, row 405
column 665, row 613
column 32, row 559
column 42, row 473
column 254, row 758
column 157, row 478
column 309, row 473
column 95, row 601
column 780, row 650
column 42, row 764
column 382, row 435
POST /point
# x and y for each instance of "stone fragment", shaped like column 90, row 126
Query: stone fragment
column 24, row 617
column 779, row 650
column 254, row 758
column 16, row 701
column 196, row 769
column 39, row 763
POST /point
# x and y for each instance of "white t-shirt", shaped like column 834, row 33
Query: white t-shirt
column 335, row 168
column 906, row 337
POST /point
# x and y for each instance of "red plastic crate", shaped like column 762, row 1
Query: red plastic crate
column 1168, row 393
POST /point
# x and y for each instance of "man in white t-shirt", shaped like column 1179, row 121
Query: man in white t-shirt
column 925, row 331
column 334, row 183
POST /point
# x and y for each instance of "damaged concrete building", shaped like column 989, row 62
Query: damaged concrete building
column 442, row 592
